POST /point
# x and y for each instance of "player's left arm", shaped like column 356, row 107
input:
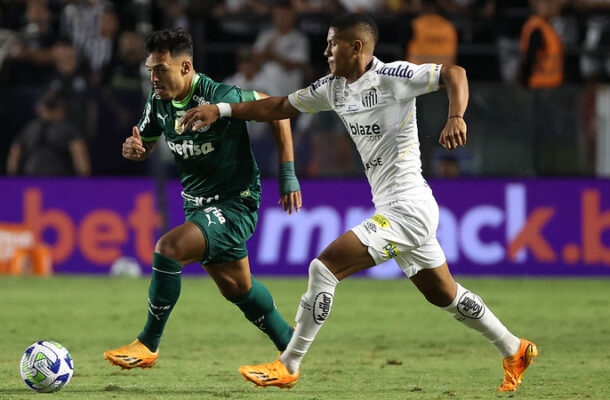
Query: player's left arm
column 453, row 78
column 290, row 191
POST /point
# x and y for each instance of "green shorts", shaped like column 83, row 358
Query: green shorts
column 226, row 225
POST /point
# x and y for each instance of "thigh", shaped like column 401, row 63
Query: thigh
column 185, row 244
column 226, row 227
column 346, row 255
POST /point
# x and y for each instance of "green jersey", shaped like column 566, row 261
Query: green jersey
column 216, row 161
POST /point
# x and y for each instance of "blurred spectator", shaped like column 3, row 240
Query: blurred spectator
column 542, row 63
column 121, row 96
column 79, row 23
column 542, row 51
column 102, row 47
column 364, row 6
column 30, row 51
column 243, row 7
column 248, row 77
column 471, row 9
column 509, row 17
column 248, row 74
column 173, row 14
column 49, row 145
column 434, row 38
column 472, row 18
column 314, row 6
column 404, row 6
column 27, row 62
column 595, row 55
column 283, row 51
column 71, row 80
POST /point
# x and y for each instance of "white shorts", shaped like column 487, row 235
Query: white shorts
column 405, row 231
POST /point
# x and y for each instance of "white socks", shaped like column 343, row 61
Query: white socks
column 312, row 312
column 316, row 304
column 468, row 308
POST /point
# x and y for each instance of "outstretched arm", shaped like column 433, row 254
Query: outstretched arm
column 290, row 191
column 269, row 109
column 454, row 79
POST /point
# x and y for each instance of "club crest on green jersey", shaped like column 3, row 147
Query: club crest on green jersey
column 180, row 129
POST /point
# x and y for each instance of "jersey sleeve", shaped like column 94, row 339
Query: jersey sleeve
column 420, row 79
column 314, row 98
column 149, row 131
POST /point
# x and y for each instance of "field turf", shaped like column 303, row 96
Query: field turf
column 382, row 340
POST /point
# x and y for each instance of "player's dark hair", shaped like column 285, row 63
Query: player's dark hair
column 361, row 21
column 177, row 41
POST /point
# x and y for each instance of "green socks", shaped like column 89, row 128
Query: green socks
column 163, row 293
column 259, row 308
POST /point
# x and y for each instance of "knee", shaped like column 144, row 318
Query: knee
column 316, row 267
column 319, row 272
column 168, row 247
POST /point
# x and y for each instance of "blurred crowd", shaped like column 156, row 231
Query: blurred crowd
column 73, row 81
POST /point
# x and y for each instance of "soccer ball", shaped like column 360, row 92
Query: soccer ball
column 46, row 366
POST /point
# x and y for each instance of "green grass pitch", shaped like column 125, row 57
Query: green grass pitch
column 382, row 340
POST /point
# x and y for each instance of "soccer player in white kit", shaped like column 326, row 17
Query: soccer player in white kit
column 376, row 102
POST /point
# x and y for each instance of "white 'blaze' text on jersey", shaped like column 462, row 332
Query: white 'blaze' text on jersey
column 378, row 111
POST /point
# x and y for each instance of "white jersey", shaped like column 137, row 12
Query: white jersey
column 378, row 111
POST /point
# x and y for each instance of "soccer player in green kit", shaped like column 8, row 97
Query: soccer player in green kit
column 221, row 192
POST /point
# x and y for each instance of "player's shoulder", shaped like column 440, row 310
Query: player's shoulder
column 396, row 69
column 216, row 91
column 324, row 83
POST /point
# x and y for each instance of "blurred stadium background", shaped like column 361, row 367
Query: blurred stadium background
column 529, row 195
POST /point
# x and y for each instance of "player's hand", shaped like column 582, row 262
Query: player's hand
column 199, row 117
column 133, row 148
column 453, row 134
column 291, row 202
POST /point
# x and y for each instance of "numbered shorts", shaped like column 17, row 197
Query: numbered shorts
column 406, row 232
column 226, row 226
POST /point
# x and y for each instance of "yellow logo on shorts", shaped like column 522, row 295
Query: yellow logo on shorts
column 381, row 221
column 390, row 250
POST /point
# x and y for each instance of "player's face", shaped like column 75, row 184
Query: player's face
column 168, row 75
column 339, row 53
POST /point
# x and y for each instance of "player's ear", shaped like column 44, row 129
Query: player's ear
column 357, row 46
column 186, row 66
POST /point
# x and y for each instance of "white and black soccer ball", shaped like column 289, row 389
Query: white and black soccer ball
column 46, row 366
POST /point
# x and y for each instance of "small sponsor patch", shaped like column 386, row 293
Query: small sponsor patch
column 471, row 306
column 381, row 221
column 390, row 250
column 322, row 305
column 370, row 227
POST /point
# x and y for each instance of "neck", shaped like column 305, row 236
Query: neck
column 363, row 67
column 188, row 81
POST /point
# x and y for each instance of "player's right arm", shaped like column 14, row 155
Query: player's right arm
column 135, row 149
column 264, row 110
